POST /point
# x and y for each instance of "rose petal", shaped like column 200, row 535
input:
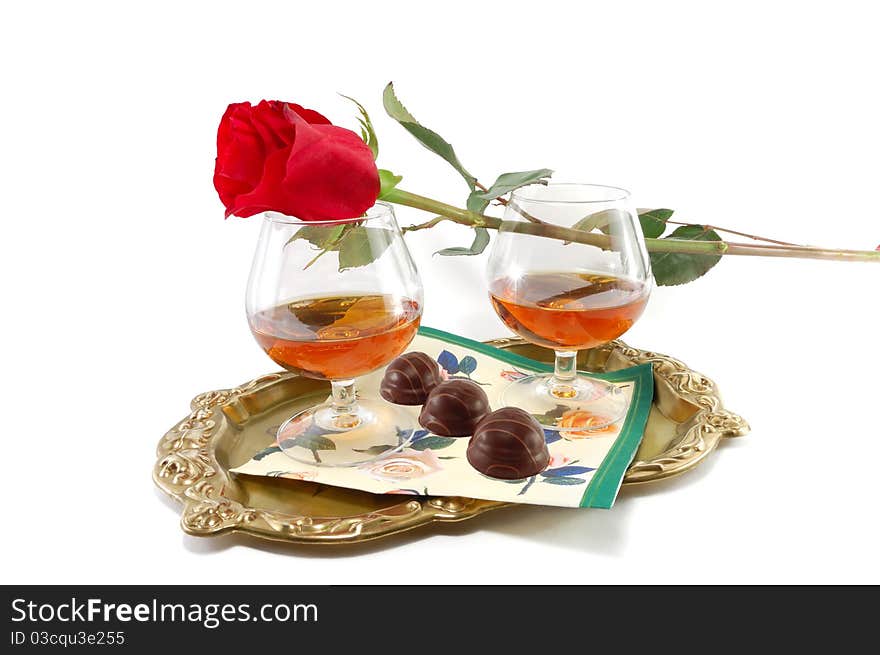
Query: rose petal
column 273, row 125
column 283, row 157
column 267, row 195
column 331, row 174
column 240, row 154
column 310, row 115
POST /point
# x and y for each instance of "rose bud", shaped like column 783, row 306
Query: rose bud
column 282, row 157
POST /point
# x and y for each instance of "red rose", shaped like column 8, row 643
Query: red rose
column 282, row 157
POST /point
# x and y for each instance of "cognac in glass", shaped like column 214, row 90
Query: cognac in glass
column 333, row 301
column 569, row 295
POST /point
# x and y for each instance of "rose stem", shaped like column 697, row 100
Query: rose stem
column 546, row 230
column 739, row 234
column 504, row 202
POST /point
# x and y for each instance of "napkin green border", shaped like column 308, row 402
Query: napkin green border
column 607, row 478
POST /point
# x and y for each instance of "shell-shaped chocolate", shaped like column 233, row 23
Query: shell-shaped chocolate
column 453, row 408
column 409, row 379
column 508, row 444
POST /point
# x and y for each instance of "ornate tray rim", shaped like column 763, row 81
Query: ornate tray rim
column 186, row 467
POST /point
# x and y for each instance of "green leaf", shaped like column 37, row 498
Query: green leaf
column 673, row 268
column 476, row 203
column 388, row 181
column 394, row 107
column 481, row 240
column 563, row 482
column 599, row 220
column 428, row 138
column 324, row 237
column 362, row 245
column 368, row 134
column 654, row 221
column 506, row 182
column 432, row 442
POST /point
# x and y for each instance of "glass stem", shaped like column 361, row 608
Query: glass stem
column 564, row 374
column 344, row 403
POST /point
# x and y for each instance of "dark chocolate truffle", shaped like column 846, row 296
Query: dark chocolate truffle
column 409, row 379
column 508, row 444
column 454, row 408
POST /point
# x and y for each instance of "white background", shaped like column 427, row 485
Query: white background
column 123, row 286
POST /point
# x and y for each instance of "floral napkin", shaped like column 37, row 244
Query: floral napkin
column 585, row 470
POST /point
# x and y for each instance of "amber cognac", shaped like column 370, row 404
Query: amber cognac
column 570, row 311
column 337, row 337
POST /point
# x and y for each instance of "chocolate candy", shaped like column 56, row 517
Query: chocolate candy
column 508, row 444
column 409, row 379
column 454, row 408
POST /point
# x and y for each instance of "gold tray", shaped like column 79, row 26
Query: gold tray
column 226, row 427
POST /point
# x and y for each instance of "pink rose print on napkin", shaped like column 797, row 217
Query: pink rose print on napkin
column 405, row 465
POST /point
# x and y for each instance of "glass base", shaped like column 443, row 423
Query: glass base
column 576, row 408
column 367, row 431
